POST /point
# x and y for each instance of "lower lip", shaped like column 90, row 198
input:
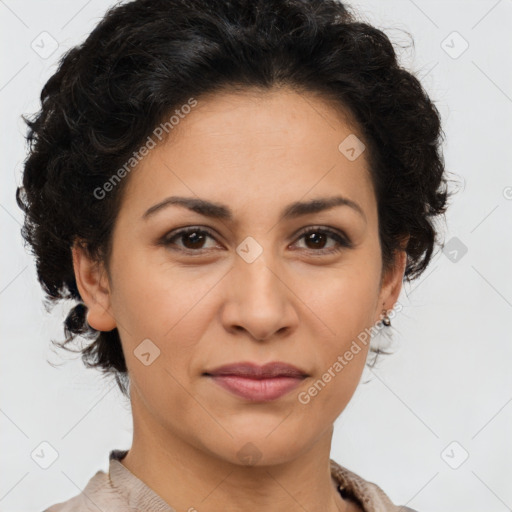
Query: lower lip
column 260, row 390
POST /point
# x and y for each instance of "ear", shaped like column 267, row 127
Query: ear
column 92, row 283
column 392, row 280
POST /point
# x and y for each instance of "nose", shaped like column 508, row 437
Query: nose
column 259, row 301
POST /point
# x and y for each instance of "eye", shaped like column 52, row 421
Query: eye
column 193, row 239
column 316, row 237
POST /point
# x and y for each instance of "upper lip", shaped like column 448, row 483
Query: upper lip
column 255, row 371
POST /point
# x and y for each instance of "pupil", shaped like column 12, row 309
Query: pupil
column 195, row 238
column 312, row 236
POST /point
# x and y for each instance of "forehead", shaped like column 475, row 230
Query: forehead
column 254, row 149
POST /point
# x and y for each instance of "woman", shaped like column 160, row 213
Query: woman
column 233, row 193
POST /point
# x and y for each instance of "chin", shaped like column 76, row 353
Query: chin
column 259, row 450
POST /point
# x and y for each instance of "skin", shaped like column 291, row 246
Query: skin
column 254, row 153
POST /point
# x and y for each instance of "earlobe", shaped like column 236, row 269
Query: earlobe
column 92, row 283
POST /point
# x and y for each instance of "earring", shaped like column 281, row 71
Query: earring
column 385, row 318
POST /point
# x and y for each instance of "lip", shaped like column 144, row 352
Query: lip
column 258, row 383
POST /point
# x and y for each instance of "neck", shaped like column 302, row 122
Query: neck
column 190, row 477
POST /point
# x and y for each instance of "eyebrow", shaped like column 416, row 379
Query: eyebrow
column 222, row 212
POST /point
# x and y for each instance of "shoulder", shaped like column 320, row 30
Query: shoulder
column 98, row 494
column 371, row 497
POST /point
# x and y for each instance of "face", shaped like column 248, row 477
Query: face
column 259, row 286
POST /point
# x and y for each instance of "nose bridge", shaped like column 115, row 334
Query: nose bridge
column 259, row 299
column 254, row 268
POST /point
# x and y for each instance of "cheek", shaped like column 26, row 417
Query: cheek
column 166, row 306
column 341, row 359
column 156, row 300
column 343, row 299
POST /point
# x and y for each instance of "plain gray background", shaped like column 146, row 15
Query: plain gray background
column 433, row 425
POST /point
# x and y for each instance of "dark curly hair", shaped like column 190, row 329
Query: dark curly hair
column 145, row 58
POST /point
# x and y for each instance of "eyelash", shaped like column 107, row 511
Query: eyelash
column 342, row 241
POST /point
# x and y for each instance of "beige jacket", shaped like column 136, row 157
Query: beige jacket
column 121, row 491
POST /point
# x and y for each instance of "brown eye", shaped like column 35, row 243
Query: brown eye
column 192, row 239
column 317, row 238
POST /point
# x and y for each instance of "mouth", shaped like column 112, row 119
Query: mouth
column 258, row 383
